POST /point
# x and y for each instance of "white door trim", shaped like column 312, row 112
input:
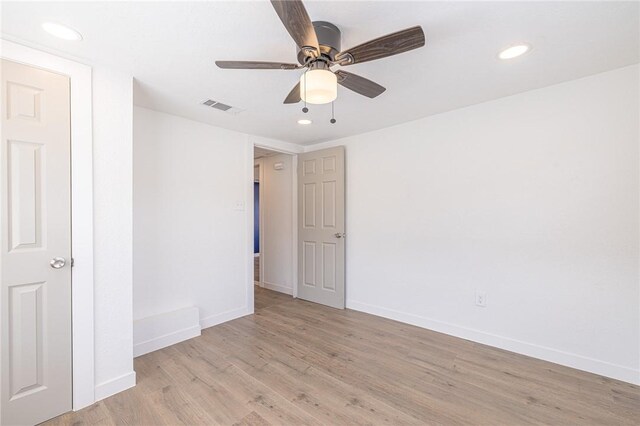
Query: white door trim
column 260, row 165
column 294, row 234
column 81, row 208
column 248, row 210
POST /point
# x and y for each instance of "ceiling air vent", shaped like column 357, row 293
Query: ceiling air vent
column 222, row 107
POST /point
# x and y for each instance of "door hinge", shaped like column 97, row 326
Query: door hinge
column 72, row 262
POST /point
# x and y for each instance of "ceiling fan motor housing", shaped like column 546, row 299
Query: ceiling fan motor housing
column 328, row 38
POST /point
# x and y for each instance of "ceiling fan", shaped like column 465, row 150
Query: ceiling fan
column 319, row 49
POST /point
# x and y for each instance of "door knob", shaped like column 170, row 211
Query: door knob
column 339, row 235
column 58, row 262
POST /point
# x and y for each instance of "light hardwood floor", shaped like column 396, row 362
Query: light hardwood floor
column 295, row 363
column 256, row 268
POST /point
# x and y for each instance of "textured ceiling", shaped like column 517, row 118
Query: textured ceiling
column 170, row 48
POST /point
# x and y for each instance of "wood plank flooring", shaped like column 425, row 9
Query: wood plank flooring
column 298, row 363
column 256, row 268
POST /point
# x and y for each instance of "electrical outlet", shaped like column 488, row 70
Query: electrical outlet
column 239, row 205
column 481, row 299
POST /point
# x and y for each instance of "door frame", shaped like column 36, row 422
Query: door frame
column 260, row 164
column 293, row 151
column 82, row 312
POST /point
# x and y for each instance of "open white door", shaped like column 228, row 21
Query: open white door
column 35, row 297
column 321, row 233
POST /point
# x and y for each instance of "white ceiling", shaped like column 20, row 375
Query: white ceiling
column 170, row 48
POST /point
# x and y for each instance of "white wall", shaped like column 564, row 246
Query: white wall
column 112, row 192
column 277, row 223
column 191, row 243
column 532, row 199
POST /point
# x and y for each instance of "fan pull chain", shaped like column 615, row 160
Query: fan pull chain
column 305, row 109
column 333, row 119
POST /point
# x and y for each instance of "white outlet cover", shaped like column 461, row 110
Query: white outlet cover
column 239, row 206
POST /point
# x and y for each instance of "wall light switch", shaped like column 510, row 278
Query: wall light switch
column 481, row 299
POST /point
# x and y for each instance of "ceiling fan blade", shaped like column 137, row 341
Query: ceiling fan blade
column 389, row 45
column 294, row 95
column 294, row 16
column 255, row 65
column 359, row 84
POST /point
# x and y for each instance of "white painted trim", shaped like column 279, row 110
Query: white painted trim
column 114, row 386
column 276, row 145
column 249, row 173
column 165, row 340
column 278, row 288
column 212, row 320
column 82, row 209
column 294, row 241
column 530, row 349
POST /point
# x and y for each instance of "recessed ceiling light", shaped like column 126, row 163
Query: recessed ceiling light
column 304, row 121
column 61, row 31
column 514, row 51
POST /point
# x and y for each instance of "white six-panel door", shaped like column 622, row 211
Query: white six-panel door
column 35, row 297
column 321, row 223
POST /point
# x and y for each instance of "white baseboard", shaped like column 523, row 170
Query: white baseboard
column 165, row 340
column 166, row 329
column 579, row 362
column 114, row 386
column 278, row 288
column 212, row 320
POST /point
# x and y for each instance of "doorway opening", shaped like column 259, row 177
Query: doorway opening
column 274, row 225
column 300, row 222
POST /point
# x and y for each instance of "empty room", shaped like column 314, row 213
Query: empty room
column 310, row 212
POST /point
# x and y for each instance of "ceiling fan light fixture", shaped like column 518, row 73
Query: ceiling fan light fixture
column 318, row 86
